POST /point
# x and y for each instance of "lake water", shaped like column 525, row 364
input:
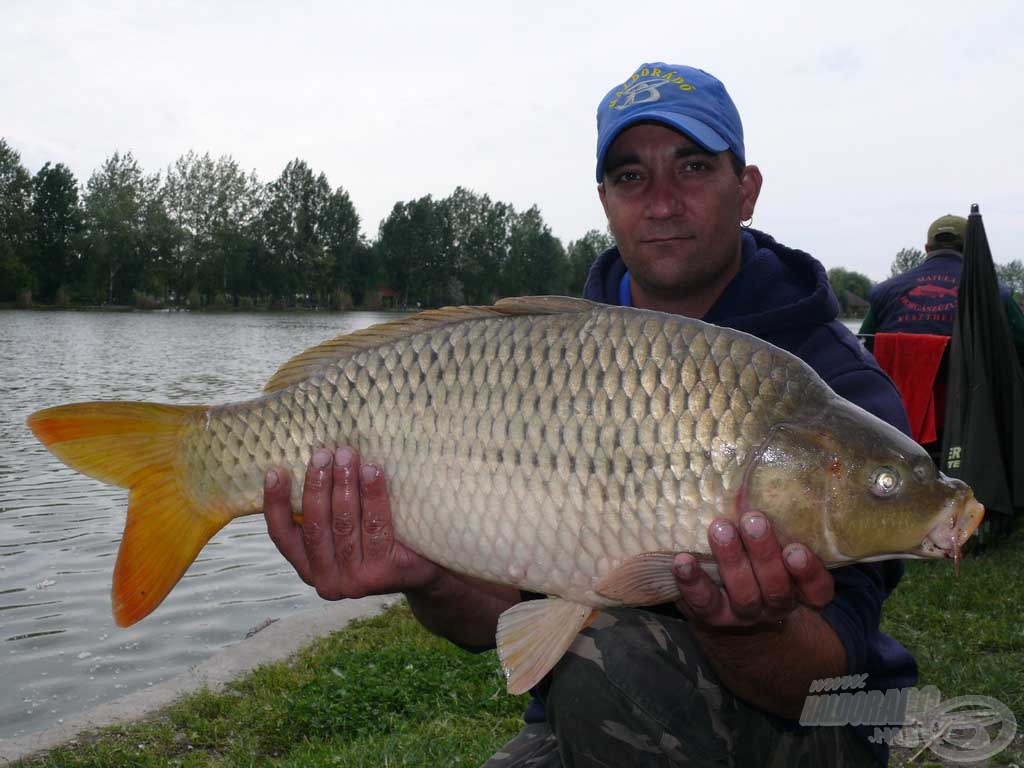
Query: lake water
column 60, row 651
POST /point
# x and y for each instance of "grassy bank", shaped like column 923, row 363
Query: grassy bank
column 381, row 692
column 385, row 693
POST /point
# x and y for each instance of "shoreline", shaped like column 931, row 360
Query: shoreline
column 224, row 310
column 278, row 641
column 10, row 306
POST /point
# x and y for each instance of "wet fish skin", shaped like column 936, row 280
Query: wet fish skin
column 557, row 445
column 608, row 433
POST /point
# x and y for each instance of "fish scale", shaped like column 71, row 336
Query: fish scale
column 472, row 445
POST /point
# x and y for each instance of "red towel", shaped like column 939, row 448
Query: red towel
column 912, row 361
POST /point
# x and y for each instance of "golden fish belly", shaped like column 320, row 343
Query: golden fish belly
column 539, row 451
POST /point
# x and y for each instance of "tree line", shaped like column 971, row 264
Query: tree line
column 207, row 234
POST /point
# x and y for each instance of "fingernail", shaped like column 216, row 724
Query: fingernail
column 684, row 570
column 343, row 456
column 723, row 532
column 755, row 526
column 321, row 458
column 271, row 479
column 369, row 473
column 796, row 557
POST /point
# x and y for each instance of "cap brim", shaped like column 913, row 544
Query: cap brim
column 688, row 126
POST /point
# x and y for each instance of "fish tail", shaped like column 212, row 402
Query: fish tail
column 142, row 447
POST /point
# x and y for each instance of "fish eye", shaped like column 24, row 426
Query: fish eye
column 885, row 482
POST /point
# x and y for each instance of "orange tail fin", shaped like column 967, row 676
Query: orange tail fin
column 138, row 446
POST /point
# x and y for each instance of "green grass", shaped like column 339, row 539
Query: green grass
column 383, row 692
column 968, row 632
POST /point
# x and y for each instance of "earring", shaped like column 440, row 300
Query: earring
column 746, row 224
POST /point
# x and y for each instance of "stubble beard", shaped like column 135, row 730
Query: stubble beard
column 689, row 282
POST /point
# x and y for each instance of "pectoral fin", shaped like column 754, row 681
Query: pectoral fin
column 645, row 579
column 533, row 635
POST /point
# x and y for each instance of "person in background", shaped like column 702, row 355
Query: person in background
column 923, row 299
column 720, row 676
column 922, row 302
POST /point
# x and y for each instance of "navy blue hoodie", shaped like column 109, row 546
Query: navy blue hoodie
column 782, row 295
column 923, row 299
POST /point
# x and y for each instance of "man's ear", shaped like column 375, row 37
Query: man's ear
column 750, row 189
column 604, row 199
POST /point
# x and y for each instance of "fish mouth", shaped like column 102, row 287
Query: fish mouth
column 946, row 539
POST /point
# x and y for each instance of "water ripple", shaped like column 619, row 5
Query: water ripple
column 35, row 634
column 61, row 530
column 16, row 606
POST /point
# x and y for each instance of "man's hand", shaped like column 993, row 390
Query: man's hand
column 345, row 546
column 775, row 593
column 761, row 583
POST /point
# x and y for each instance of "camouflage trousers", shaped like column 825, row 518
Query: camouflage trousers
column 635, row 690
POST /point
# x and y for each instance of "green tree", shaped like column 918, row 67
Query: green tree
column 57, row 230
column 846, row 283
column 344, row 243
column 367, row 272
column 581, row 254
column 1012, row 275
column 214, row 205
column 298, row 259
column 906, row 259
column 189, row 193
column 119, row 203
column 479, row 231
column 160, row 245
column 414, row 249
column 537, row 263
column 15, row 224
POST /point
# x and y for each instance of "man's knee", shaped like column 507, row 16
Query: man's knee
column 633, row 653
column 635, row 680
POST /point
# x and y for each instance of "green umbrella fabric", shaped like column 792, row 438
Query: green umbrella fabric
column 983, row 443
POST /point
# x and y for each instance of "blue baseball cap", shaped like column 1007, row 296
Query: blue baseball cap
column 689, row 100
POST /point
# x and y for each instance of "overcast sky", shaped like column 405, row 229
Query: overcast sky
column 867, row 121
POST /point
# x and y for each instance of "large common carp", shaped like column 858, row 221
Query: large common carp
column 561, row 446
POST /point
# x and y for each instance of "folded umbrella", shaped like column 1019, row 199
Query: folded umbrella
column 983, row 443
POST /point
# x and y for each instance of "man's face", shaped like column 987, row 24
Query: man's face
column 675, row 210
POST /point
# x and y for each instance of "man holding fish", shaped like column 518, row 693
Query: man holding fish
column 719, row 676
